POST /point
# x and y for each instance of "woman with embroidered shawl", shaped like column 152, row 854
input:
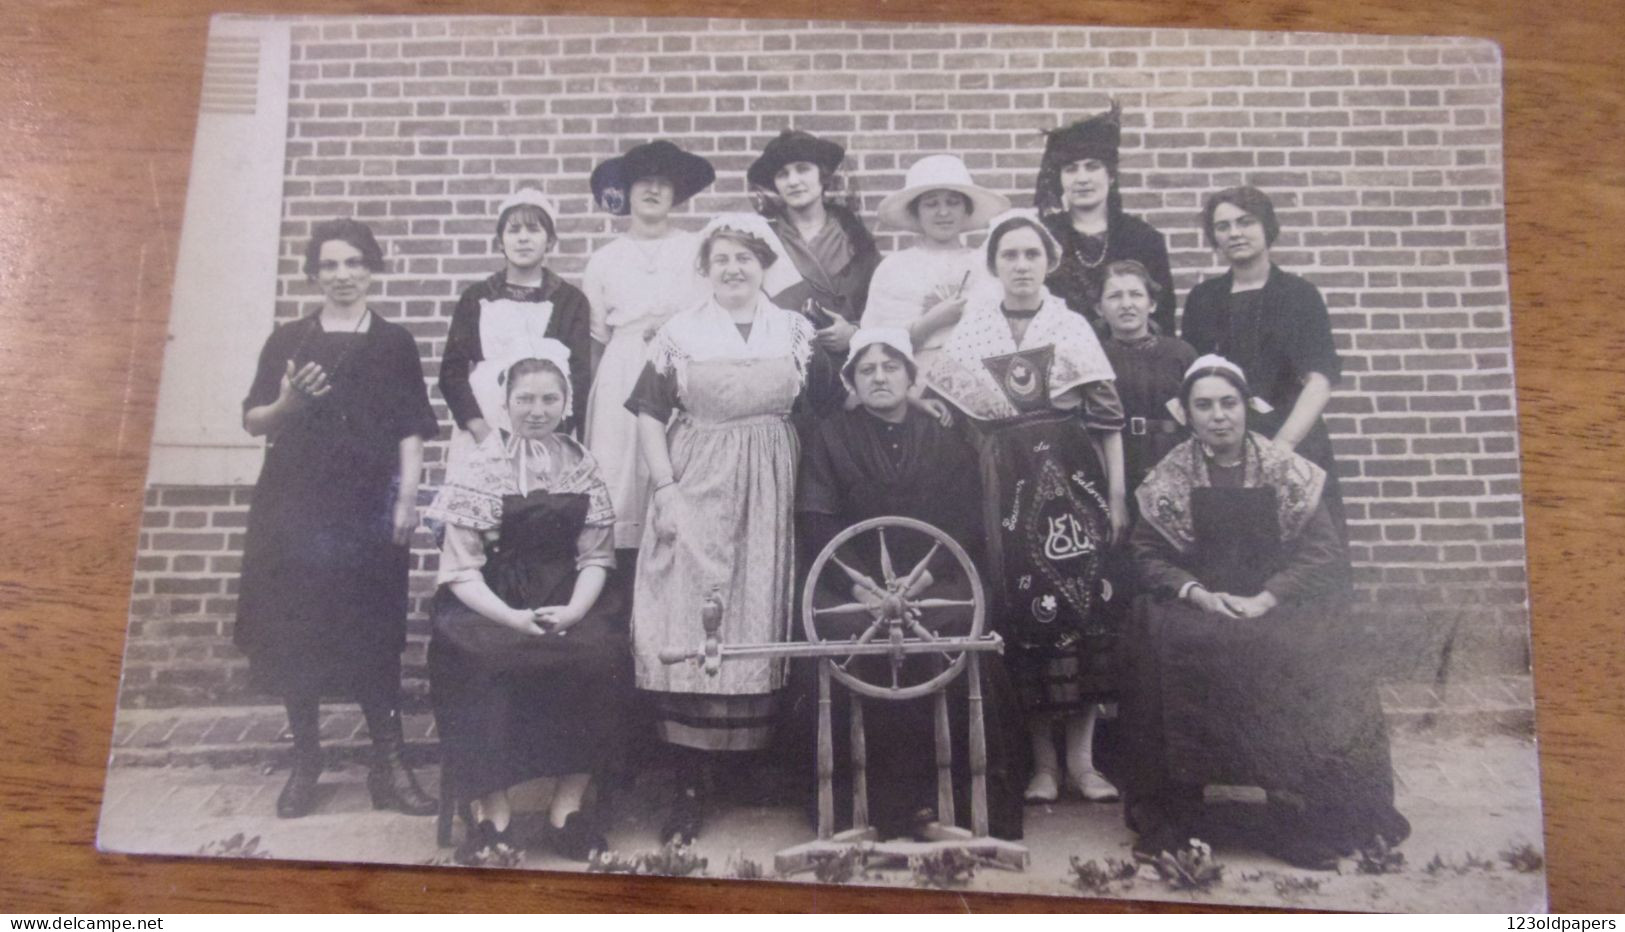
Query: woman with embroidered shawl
column 1274, row 325
column 714, row 404
column 1246, row 668
column 527, row 663
column 886, row 457
column 1038, row 394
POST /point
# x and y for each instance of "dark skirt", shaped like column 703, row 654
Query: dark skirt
column 1045, row 505
column 1282, row 702
column 512, row 706
column 322, row 604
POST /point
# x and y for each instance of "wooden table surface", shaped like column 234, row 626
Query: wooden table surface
column 98, row 104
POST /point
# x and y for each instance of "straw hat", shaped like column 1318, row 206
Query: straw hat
column 939, row 173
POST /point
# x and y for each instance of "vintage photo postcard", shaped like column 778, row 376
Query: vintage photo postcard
column 1037, row 459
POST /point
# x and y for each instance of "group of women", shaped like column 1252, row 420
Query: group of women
column 1156, row 530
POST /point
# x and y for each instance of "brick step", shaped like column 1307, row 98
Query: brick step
column 237, row 735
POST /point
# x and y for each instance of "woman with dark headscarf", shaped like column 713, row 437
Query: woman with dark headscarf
column 339, row 396
column 795, row 179
column 1272, row 324
column 1078, row 196
column 1246, row 668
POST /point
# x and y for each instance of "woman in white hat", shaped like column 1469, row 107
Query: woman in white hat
column 507, row 315
column 923, row 288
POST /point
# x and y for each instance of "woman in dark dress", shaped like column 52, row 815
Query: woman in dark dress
column 1077, row 194
column 1272, row 324
column 1149, row 368
column 1246, row 668
column 1039, row 402
column 506, row 315
column 794, row 180
column 889, row 458
column 528, row 666
column 340, row 397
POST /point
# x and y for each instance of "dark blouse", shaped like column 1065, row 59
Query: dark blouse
column 1127, row 237
column 843, row 291
column 376, row 377
column 1315, row 565
column 570, row 324
column 1277, row 334
column 858, row 466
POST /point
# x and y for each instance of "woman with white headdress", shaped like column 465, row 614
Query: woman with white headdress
column 714, row 405
column 1043, row 410
column 527, row 664
column 507, row 315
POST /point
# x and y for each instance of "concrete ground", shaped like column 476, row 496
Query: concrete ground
column 1470, row 798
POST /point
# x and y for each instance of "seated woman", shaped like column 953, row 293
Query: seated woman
column 889, row 458
column 528, row 656
column 1246, row 670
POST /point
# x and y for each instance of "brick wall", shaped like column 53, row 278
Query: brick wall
column 1383, row 155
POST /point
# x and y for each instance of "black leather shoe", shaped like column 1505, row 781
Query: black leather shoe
column 683, row 824
column 578, row 838
column 392, row 784
column 298, row 796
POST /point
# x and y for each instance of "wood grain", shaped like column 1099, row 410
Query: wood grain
column 98, row 103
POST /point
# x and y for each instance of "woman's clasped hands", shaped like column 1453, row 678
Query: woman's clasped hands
column 1233, row 606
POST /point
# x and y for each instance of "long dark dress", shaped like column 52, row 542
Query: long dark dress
column 511, row 706
column 857, row 467
column 1277, row 334
column 1286, row 702
column 323, row 600
column 1082, row 272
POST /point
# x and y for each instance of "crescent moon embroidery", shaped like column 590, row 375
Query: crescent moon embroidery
column 1023, row 381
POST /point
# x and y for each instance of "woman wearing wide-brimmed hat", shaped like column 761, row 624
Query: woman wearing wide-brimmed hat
column 1077, row 192
column 795, row 177
column 635, row 284
column 923, row 288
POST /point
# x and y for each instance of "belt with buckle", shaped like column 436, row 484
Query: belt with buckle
column 1140, row 426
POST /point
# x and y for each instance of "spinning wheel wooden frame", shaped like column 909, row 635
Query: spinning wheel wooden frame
column 897, row 630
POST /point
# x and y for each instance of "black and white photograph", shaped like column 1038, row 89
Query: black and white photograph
column 991, row 458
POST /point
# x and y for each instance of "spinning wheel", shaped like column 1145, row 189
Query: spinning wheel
column 894, row 605
column 897, row 620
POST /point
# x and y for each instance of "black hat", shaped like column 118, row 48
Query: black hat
column 612, row 179
column 793, row 145
column 1098, row 137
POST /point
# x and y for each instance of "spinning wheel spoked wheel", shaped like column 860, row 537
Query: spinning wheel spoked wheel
column 892, row 604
